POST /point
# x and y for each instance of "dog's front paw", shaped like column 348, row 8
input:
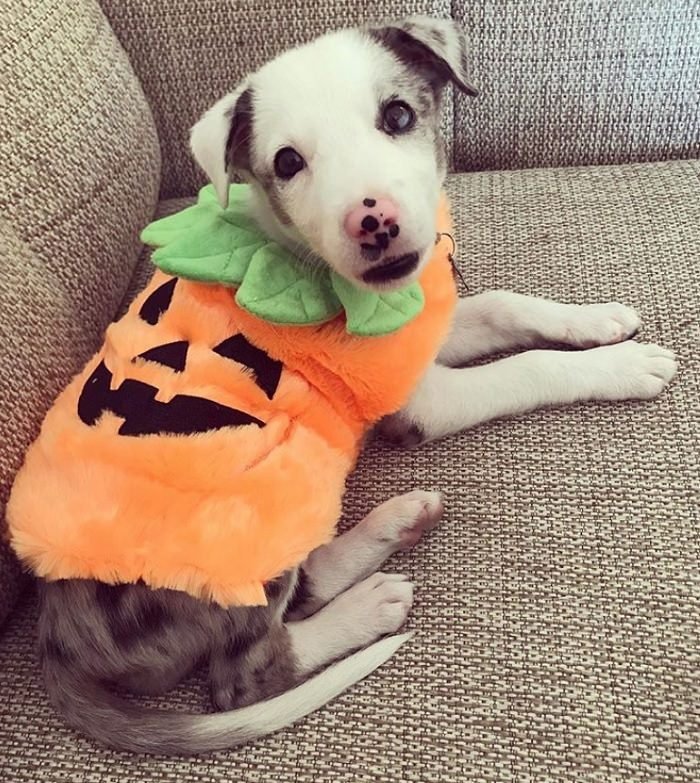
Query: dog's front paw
column 401, row 521
column 632, row 371
column 600, row 324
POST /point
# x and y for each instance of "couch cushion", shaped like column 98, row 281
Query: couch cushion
column 80, row 163
column 189, row 53
column 557, row 605
column 577, row 82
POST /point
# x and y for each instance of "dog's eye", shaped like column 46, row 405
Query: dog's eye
column 288, row 162
column 398, row 117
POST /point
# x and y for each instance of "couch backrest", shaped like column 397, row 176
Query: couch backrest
column 563, row 81
column 80, row 164
column 577, row 82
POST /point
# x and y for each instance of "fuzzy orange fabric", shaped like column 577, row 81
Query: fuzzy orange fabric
column 216, row 513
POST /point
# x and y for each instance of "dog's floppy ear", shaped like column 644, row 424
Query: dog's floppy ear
column 437, row 48
column 220, row 139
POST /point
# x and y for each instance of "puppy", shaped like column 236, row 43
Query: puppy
column 331, row 136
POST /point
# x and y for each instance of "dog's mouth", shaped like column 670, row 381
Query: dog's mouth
column 393, row 268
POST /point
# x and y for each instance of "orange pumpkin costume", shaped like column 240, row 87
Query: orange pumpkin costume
column 206, row 450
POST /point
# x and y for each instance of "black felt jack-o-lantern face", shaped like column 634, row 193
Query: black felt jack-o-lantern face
column 135, row 401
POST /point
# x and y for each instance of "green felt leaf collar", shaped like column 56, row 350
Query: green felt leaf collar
column 207, row 243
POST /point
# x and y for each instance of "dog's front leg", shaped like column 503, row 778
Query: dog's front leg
column 497, row 321
column 449, row 400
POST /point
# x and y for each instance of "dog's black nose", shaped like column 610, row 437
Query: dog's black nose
column 374, row 223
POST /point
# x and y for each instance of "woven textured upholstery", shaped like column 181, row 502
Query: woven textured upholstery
column 80, row 172
column 558, row 604
column 563, row 83
column 579, row 82
column 188, row 53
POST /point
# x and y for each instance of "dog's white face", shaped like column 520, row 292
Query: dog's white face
column 339, row 140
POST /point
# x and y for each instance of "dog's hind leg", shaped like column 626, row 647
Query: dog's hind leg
column 331, row 569
column 268, row 657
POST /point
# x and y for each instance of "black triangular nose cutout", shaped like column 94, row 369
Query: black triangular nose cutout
column 266, row 371
column 173, row 355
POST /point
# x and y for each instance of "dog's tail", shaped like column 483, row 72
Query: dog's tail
column 91, row 709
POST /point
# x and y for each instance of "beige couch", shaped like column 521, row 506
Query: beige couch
column 558, row 606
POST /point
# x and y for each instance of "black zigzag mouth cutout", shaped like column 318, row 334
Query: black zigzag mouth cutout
column 134, row 401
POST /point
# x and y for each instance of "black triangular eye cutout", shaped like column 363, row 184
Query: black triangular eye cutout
column 95, row 396
column 266, row 371
column 158, row 302
column 173, row 355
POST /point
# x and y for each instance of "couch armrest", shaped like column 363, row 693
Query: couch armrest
column 80, row 176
